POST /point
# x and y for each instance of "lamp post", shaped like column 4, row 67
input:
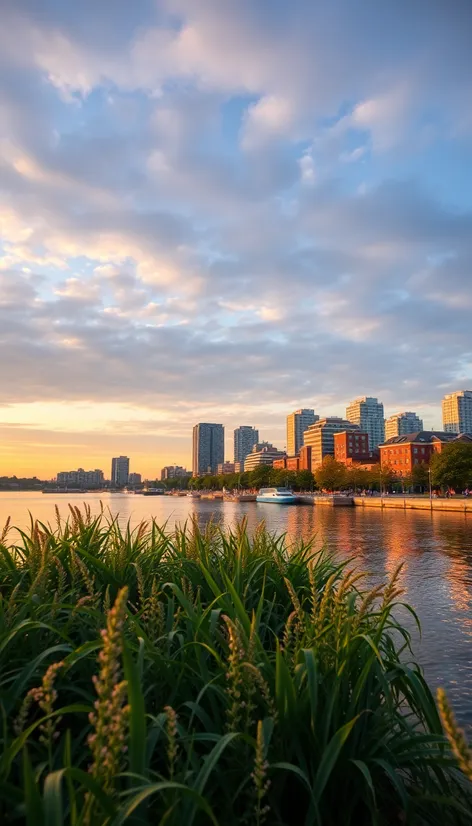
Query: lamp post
column 430, row 486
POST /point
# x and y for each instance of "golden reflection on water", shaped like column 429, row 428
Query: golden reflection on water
column 436, row 550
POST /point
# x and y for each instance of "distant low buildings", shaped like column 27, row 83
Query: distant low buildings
column 287, row 463
column 368, row 413
column 457, row 412
column 225, row 467
column 119, row 471
column 134, row 479
column 208, row 448
column 174, row 472
column 80, row 478
column 320, row 437
column 262, row 454
column 295, row 463
column 400, row 424
column 245, row 437
column 402, row 453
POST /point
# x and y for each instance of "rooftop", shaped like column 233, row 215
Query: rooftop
column 425, row 437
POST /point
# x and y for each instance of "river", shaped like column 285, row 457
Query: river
column 436, row 549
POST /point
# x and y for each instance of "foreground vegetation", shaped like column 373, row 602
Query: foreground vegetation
column 180, row 678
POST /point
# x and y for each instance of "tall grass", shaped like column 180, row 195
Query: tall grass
column 208, row 677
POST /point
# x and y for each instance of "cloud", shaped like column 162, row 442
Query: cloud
column 270, row 118
column 218, row 206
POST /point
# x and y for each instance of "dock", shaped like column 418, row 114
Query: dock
column 330, row 500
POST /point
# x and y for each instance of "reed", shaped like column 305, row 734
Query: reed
column 193, row 676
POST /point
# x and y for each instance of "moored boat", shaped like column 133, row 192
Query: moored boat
column 276, row 496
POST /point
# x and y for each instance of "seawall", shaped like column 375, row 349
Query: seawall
column 414, row 503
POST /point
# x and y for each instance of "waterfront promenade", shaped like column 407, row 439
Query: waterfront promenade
column 398, row 501
column 423, row 503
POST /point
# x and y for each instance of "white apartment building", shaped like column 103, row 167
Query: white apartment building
column 401, row 424
column 80, row 478
column 297, row 423
column 174, row 472
column 457, row 412
column 368, row 413
column 262, row 454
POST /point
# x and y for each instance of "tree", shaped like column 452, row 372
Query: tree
column 357, row 477
column 452, row 468
column 419, row 476
column 259, row 477
column 330, row 475
column 304, row 480
column 382, row 477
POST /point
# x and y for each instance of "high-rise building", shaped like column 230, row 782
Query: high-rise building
column 320, row 437
column 208, row 448
column 457, row 412
column 119, row 471
column 368, row 413
column 297, row 423
column 401, row 424
column 262, row 454
column 134, row 479
column 245, row 437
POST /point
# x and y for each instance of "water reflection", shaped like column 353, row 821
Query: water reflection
column 436, row 550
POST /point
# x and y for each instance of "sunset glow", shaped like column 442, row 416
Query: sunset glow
column 224, row 211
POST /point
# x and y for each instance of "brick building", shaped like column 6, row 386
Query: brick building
column 352, row 447
column 300, row 462
column 304, row 459
column 402, row 453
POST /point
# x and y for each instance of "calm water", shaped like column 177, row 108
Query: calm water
column 436, row 549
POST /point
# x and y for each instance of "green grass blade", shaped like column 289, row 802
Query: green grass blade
column 330, row 756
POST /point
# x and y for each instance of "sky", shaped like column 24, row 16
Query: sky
column 224, row 210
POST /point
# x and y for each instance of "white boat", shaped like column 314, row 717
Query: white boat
column 277, row 496
column 192, row 494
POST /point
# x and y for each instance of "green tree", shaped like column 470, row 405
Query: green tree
column 419, row 476
column 452, row 468
column 259, row 477
column 330, row 475
column 357, row 478
column 304, row 480
column 382, row 477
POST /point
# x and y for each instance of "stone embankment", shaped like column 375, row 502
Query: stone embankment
column 463, row 505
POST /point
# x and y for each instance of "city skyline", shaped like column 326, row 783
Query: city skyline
column 227, row 211
column 361, row 411
column 152, row 464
